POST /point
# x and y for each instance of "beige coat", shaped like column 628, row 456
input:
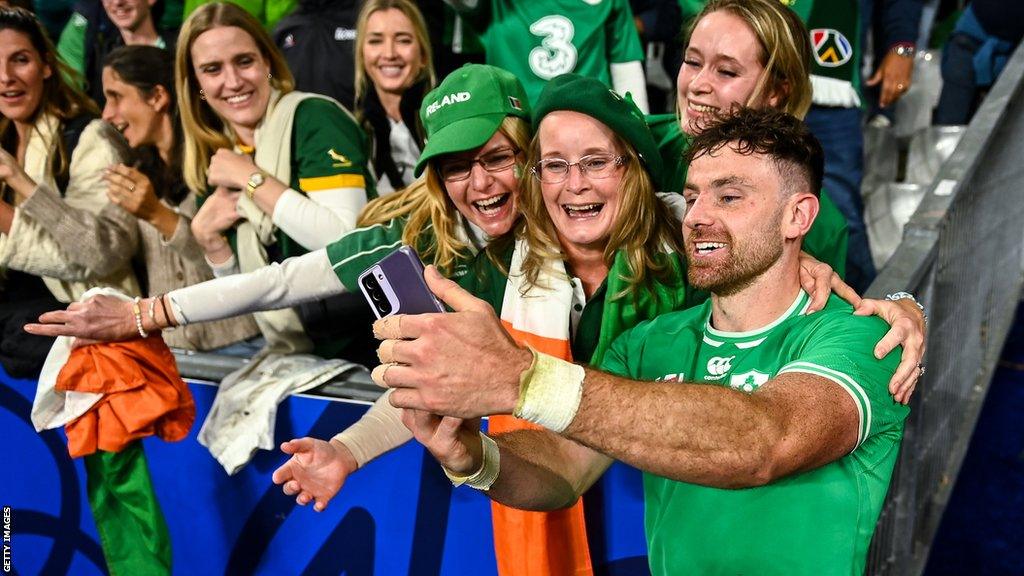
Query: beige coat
column 61, row 239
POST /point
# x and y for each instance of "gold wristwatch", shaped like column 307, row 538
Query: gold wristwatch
column 256, row 179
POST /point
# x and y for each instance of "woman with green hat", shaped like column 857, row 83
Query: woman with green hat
column 595, row 253
column 478, row 115
column 591, row 210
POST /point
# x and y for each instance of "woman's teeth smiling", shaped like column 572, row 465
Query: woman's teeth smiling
column 701, row 108
column 492, row 205
column 239, row 98
column 582, row 210
column 391, row 70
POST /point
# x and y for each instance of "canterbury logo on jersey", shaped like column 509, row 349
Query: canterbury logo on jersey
column 718, row 367
column 448, row 100
column 671, row 378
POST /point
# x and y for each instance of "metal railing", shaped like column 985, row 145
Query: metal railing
column 963, row 255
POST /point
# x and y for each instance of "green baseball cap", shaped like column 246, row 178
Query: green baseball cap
column 592, row 97
column 467, row 108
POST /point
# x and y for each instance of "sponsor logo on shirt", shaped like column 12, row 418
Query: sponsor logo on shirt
column 718, row 367
column 748, row 381
column 671, row 378
column 831, row 48
column 448, row 100
column 344, row 34
column 340, row 161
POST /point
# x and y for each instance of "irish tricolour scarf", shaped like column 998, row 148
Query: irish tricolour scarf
column 531, row 543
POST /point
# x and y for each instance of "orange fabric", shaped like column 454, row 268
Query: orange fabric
column 143, row 395
column 538, row 543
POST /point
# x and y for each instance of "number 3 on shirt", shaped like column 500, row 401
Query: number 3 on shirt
column 556, row 53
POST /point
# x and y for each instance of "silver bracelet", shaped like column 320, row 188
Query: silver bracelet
column 908, row 296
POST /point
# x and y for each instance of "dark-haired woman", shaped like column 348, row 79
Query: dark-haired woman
column 138, row 82
column 53, row 150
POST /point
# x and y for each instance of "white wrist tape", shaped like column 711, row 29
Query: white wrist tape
column 550, row 391
column 485, row 477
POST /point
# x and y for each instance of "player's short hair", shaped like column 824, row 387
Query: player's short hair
column 796, row 153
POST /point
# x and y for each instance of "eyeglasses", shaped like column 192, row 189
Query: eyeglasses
column 495, row 161
column 556, row 170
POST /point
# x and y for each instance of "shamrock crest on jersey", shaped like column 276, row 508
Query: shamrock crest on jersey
column 748, row 381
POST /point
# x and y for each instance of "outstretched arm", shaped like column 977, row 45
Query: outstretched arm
column 464, row 365
column 296, row 280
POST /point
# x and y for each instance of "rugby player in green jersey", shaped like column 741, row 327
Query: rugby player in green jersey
column 767, row 435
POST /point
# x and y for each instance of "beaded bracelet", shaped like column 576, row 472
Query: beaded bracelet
column 137, row 311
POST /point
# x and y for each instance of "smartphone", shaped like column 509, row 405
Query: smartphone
column 395, row 285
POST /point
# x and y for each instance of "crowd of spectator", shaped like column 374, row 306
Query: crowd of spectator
column 233, row 182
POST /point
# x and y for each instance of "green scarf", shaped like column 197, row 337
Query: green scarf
column 625, row 306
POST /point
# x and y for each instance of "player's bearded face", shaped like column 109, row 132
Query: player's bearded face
column 746, row 255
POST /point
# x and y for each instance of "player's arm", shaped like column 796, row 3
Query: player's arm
column 465, row 365
column 714, row 435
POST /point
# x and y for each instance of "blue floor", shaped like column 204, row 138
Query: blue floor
column 982, row 531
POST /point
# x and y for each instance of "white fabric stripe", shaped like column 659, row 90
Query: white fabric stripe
column 344, row 261
column 791, row 311
column 711, row 342
column 751, row 344
column 542, row 310
column 860, row 397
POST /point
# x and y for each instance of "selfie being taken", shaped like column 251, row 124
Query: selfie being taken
column 512, row 288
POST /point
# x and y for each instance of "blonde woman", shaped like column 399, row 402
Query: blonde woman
column 757, row 53
column 280, row 172
column 394, row 69
column 746, row 53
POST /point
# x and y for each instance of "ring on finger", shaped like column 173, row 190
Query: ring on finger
column 901, row 87
column 920, row 369
column 131, row 187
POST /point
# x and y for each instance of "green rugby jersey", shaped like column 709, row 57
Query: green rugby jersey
column 816, row 522
column 361, row 248
column 828, row 236
column 541, row 39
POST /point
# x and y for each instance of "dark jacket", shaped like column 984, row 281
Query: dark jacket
column 375, row 122
column 102, row 37
column 318, row 40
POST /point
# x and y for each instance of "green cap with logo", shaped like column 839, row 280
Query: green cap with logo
column 592, row 97
column 467, row 108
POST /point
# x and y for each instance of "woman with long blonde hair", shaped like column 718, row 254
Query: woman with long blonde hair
column 279, row 173
column 394, row 70
column 753, row 53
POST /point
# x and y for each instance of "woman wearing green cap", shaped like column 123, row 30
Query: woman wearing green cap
column 596, row 253
column 448, row 214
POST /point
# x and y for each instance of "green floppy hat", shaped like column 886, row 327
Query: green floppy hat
column 592, row 97
column 467, row 108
